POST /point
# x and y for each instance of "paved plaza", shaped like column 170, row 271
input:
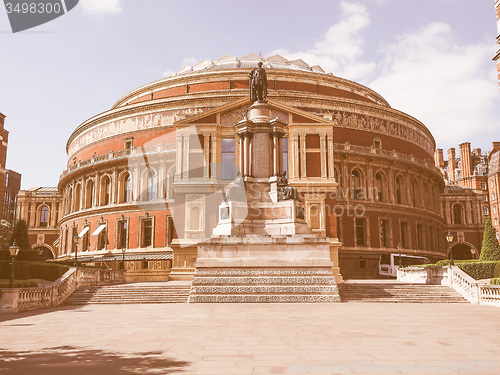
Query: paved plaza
column 342, row 338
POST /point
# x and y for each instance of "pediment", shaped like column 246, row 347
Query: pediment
column 230, row 114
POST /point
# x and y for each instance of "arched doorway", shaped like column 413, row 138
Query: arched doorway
column 44, row 253
column 461, row 251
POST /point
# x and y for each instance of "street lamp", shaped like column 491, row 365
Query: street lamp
column 14, row 250
column 75, row 241
column 123, row 259
column 449, row 238
column 473, row 252
column 399, row 251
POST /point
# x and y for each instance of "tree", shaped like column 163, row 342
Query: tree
column 490, row 250
column 20, row 234
column 5, row 235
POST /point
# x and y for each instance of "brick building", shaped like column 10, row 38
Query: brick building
column 41, row 207
column 147, row 176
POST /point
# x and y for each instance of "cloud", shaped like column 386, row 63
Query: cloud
column 448, row 86
column 340, row 50
column 97, row 7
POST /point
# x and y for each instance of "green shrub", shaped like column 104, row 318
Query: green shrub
column 33, row 270
column 495, row 281
column 442, row 263
column 28, row 255
column 18, row 284
column 496, row 273
column 490, row 250
column 478, row 270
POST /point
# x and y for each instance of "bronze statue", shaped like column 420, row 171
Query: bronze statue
column 258, row 84
column 285, row 191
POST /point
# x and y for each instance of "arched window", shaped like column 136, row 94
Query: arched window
column 67, row 204
column 105, row 191
column 126, row 188
column 151, row 186
column 356, row 185
column 44, row 217
column 399, row 190
column 379, row 187
column 414, row 193
column 458, row 214
column 89, row 197
column 78, row 196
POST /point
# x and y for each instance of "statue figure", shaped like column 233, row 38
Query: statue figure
column 258, row 84
column 236, row 192
column 285, row 191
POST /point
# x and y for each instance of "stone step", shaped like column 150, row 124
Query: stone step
column 398, row 293
column 123, row 294
column 238, row 271
column 263, row 280
column 261, row 298
column 264, row 289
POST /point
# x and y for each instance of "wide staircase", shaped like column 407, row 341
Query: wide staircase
column 395, row 292
column 146, row 292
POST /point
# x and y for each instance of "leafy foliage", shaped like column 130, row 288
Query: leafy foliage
column 18, row 284
column 490, row 250
column 33, row 270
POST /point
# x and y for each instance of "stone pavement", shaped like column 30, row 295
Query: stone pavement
column 342, row 338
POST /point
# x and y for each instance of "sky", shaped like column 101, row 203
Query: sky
column 431, row 59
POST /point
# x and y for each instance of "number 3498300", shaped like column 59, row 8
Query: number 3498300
column 24, row 8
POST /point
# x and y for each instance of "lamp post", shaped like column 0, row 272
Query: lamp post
column 75, row 241
column 14, row 250
column 123, row 259
column 473, row 252
column 399, row 251
column 449, row 238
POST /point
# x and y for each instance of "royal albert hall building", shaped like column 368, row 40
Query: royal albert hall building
column 147, row 176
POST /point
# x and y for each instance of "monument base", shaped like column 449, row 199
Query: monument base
column 264, row 269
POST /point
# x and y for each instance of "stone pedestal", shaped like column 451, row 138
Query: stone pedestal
column 262, row 250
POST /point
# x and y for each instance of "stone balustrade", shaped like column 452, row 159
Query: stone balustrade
column 454, row 277
column 23, row 299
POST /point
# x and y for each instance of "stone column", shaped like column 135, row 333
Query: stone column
column 241, row 148
column 303, row 155
column 322, row 139
column 294, row 157
column 246, row 154
column 185, row 157
column 33, row 214
column 331, row 170
column 250, row 155
column 206, row 156
column 178, row 158
column 275, row 154
column 214, row 156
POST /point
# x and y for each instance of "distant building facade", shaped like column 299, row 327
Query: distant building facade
column 12, row 187
column 41, row 208
column 4, row 139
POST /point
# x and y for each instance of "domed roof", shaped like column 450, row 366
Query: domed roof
column 248, row 62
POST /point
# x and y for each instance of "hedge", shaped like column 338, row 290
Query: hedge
column 478, row 270
column 33, row 270
column 18, row 284
column 496, row 273
column 495, row 281
column 29, row 255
